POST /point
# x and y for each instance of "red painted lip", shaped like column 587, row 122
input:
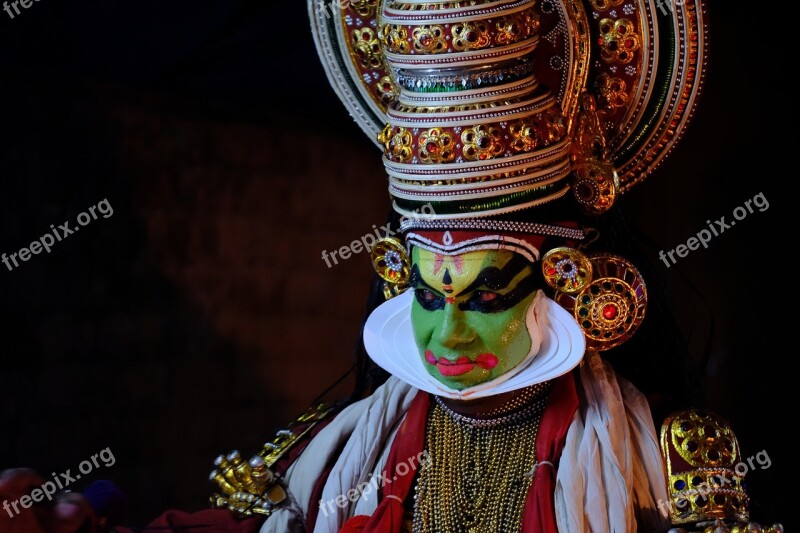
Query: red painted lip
column 487, row 361
column 462, row 365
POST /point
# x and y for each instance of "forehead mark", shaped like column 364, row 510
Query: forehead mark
column 440, row 259
column 450, row 275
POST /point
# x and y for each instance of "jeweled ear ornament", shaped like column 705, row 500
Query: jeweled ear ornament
column 566, row 270
column 390, row 261
column 608, row 298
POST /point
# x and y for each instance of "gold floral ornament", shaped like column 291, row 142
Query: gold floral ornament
column 618, row 40
column 612, row 91
column 470, row 36
column 515, row 28
column 386, row 90
column 566, row 270
column 602, row 5
column 555, row 127
column 365, row 8
column 523, row 133
column 390, row 261
column 429, row 39
column 436, row 146
column 482, row 142
column 395, row 38
column 397, row 143
column 367, row 47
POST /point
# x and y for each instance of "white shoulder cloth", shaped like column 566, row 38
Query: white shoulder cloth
column 366, row 430
column 611, row 473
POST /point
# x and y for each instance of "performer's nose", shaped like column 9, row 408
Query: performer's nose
column 453, row 330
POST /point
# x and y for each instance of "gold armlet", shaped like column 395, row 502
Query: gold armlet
column 705, row 481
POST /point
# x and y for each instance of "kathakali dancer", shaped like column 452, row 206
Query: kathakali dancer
column 508, row 128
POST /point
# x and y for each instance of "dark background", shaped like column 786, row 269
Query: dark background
column 200, row 317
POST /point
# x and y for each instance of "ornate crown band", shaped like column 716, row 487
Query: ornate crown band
column 488, row 225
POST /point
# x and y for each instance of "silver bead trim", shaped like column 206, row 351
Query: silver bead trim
column 504, row 226
column 535, row 407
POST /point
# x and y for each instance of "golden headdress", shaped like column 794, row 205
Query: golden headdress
column 484, row 107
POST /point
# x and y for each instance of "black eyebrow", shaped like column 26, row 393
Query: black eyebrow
column 505, row 301
column 497, row 278
column 416, row 281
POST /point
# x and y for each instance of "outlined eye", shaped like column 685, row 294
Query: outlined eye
column 486, row 296
column 486, row 302
column 429, row 300
column 426, row 295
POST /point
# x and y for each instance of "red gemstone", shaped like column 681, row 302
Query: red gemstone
column 610, row 311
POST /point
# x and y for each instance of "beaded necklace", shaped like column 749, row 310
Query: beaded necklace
column 477, row 476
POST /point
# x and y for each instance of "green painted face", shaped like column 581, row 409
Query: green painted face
column 469, row 313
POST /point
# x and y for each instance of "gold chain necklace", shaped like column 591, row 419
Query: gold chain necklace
column 475, row 477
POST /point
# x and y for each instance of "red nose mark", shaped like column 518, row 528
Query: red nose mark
column 610, row 311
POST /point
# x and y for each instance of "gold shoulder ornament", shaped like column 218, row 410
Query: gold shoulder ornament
column 252, row 487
